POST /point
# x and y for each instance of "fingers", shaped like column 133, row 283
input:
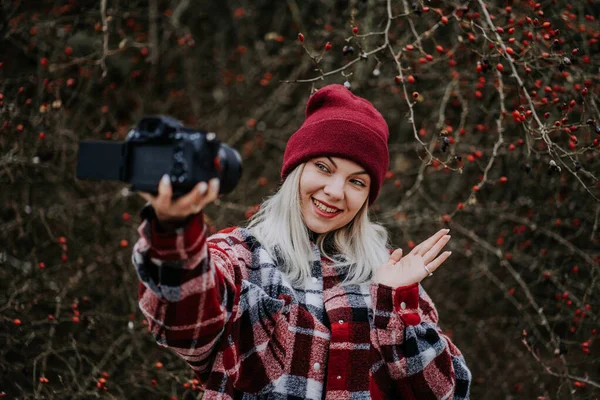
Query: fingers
column 191, row 203
column 425, row 246
column 165, row 192
column 437, row 247
column 432, row 266
column 200, row 196
column 395, row 256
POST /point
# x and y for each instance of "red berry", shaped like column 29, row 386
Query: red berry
column 398, row 79
column 327, row 46
column 410, row 79
column 415, row 95
column 500, row 67
column 355, row 30
column 444, row 20
column 17, row 322
column 44, row 62
column 503, row 179
column 68, row 50
column 124, row 243
column 410, row 47
column 301, row 37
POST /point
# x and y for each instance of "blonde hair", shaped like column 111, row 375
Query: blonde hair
column 279, row 227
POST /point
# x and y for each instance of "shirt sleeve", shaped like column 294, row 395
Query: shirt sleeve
column 196, row 301
column 420, row 361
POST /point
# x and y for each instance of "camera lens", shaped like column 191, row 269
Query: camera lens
column 231, row 168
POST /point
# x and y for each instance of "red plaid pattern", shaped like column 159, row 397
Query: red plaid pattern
column 222, row 305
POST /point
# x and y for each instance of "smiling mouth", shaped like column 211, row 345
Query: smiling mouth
column 323, row 208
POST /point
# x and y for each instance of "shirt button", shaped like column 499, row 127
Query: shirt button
column 341, row 321
column 403, row 305
column 316, row 366
column 339, row 377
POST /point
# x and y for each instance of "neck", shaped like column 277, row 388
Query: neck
column 312, row 236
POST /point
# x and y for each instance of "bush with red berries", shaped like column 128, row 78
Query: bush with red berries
column 493, row 109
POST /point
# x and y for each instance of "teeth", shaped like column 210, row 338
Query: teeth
column 321, row 207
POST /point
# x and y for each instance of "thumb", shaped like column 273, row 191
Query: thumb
column 395, row 256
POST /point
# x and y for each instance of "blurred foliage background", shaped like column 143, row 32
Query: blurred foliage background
column 493, row 115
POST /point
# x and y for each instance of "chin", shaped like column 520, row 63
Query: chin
column 321, row 228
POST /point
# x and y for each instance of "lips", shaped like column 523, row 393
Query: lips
column 326, row 205
column 322, row 213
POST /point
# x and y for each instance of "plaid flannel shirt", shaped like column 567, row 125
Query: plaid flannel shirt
column 221, row 304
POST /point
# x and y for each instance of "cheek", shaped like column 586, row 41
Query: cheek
column 307, row 184
column 358, row 202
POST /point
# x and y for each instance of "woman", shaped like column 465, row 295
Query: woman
column 306, row 302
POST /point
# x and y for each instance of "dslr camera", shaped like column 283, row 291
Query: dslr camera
column 161, row 145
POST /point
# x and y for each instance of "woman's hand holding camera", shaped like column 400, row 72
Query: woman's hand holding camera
column 169, row 211
column 422, row 261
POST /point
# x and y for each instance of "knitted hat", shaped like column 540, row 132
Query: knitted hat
column 340, row 124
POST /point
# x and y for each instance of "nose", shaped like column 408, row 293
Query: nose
column 334, row 189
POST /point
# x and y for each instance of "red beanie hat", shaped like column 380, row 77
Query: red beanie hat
column 340, row 124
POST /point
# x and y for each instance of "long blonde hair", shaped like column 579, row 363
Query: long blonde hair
column 279, row 227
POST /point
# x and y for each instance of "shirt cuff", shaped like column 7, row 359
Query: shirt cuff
column 182, row 235
column 406, row 303
column 402, row 301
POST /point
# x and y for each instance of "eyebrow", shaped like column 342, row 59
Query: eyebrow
column 356, row 173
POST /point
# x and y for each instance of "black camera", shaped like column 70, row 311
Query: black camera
column 161, row 145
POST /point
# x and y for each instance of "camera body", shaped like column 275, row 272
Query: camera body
column 161, row 145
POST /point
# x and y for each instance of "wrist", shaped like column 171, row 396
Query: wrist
column 171, row 224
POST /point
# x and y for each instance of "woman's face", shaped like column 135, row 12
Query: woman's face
column 332, row 191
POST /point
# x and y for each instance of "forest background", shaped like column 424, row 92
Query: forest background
column 493, row 115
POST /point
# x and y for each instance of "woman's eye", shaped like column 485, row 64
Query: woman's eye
column 359, row 183
column 322, row 167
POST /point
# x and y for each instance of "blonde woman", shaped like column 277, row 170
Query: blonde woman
column 307, row 301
